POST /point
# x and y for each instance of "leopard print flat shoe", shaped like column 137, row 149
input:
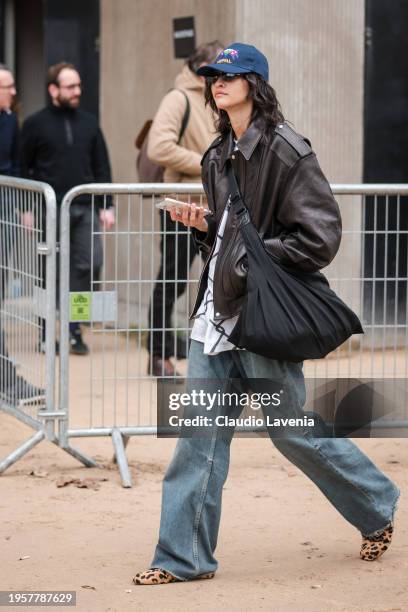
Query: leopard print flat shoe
column 374, row 546
column 156, row 575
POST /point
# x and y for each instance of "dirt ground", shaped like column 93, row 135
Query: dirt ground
column 282, row 547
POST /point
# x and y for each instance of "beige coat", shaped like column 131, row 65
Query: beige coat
column 182, row 161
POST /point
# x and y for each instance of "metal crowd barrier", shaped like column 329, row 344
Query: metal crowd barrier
column 28, row 311
column 115, row 395
column 118, row 395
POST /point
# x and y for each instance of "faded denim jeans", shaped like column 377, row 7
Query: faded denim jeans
column 192, row 487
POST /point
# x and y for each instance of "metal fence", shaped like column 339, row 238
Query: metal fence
column 118, row 392
column 115, row 393
column 27, row 216
column 28, row 311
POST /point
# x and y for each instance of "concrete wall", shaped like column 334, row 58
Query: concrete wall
column 316, row 57
column 137, row 69
column 138, row 65
column 315, row 51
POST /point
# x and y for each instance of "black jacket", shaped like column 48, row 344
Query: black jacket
column 9, row 154
column 288, row 198
column 9, row 144
column 64, row 147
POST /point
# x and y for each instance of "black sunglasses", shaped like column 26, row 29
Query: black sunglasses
column 226, row 77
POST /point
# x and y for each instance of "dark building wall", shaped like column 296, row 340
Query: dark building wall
column 386, row 161
column 71, row 33
column 386, row 92
column 50, row 31
column 1, row 30
column 30, row 61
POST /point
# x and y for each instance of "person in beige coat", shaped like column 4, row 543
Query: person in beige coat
column 181, row 158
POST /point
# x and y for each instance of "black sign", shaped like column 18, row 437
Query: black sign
column 184, row 37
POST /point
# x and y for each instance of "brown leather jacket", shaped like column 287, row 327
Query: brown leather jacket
column 289, row 200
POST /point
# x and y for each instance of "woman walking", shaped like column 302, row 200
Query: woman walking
column 291, row 205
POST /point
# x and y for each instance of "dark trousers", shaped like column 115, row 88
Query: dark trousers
column 7, row 369
column 85, row 247
column 86, row 255
column 177, row 252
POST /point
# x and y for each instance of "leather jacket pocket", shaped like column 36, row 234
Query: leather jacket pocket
column 235, row 269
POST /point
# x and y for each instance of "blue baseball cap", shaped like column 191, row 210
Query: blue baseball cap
column 238, row 58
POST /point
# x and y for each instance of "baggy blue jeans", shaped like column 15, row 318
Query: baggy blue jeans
column 192, row 486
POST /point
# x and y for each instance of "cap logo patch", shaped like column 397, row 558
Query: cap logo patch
column 232, row 52
column 227, row 56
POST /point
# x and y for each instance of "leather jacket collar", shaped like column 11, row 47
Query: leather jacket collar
column 246, row 144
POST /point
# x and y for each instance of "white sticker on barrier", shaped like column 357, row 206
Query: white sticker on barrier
column 39, row 307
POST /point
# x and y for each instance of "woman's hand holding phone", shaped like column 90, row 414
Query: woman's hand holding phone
column 190, row 216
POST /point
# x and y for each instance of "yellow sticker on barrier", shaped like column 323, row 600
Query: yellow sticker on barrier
column 80, row 306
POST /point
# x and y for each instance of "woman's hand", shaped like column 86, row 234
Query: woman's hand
column 191, row 216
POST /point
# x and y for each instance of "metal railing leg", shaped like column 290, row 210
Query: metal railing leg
column 125, row 443
column 22, row 450
column 77, row 454
column 121, row 459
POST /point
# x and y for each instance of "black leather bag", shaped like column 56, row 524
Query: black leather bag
column 287, row 314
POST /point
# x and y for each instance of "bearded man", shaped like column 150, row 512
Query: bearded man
column 64, row 146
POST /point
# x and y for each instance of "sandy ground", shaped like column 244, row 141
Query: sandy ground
column 281, row 546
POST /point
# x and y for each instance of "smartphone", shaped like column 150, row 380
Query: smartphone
column 168, row 203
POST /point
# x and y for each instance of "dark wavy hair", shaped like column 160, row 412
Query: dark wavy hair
column 266, row 104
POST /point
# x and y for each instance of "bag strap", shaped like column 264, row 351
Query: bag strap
column 141, row 136
column 236, row 201
column 186, row 116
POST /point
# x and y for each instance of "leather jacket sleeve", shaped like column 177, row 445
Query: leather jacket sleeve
column 205, row 240
column 309, row 216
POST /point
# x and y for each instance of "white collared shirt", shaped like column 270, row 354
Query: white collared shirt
column 214, row 334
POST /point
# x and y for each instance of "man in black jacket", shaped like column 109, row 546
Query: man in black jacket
column 63, row 145
column 12, row 387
